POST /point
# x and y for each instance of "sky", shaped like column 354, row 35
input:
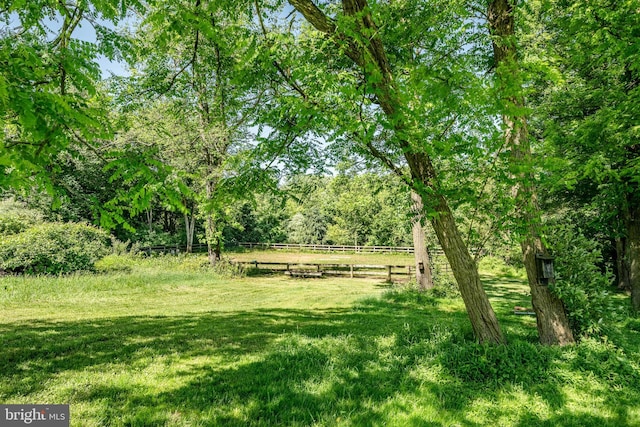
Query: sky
column 86, row 32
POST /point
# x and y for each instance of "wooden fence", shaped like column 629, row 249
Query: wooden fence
column 174, row 249
column 202, row 247
column 388, row 272
column 438, row 260
column 337, row 248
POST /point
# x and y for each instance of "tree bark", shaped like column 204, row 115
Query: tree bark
column 632, row 222
column 483, row 319
column 622, row 264
column 552, row 322
column 424, row 278
column 190, row 225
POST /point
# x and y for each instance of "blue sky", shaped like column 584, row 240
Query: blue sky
column 86, row 32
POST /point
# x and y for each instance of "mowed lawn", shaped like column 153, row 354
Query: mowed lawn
column 169, row 344
column 322, row 257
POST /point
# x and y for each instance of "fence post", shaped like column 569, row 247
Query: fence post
column 351, row 270
column 388, row 273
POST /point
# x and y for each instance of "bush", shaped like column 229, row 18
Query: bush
column 580, row 281
column 16, row 218
column 115, row 263
column 53, row 248
column 124, row 248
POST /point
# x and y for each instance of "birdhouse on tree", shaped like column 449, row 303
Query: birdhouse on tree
column 544, row 266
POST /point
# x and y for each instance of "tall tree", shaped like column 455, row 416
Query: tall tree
column 592, row 115
column 552, row 321
column 356, row 37
column 197, row 57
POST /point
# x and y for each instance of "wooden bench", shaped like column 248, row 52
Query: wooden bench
column 523, row 311
column 303, row 273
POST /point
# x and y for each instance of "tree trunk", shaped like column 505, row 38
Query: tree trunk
column 551, row 319
column 211, row 232
column 633, row 240
column 149, row 213
column 483, row 319
column 423, row 263
column 622, row 264
column 552, row 322
column 190, row 225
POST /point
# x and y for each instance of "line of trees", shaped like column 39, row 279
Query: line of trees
column 508, row 122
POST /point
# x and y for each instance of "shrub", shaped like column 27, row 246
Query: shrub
column 124, row 248
column 581, row 283
column 53, row 248
column 115, row 263
column 16, row 218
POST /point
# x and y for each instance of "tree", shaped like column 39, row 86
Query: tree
column 204, row 74
column 591, row 116
column 50, row 100
column 421, row 256
column 356, row 47
column 552, row 321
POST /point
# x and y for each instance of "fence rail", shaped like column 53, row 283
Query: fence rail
column 389, row 272
column 202, row 247
column 337, row 248
column 438, row 260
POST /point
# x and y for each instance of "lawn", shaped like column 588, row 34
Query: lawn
column 322, row 257
column 168, row 344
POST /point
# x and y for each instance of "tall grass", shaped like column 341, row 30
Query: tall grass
column 168, row 343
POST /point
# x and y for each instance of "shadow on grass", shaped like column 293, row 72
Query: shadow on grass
column 404, row 360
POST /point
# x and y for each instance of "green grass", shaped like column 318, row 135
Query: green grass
column 322, row 258
column 168, row 344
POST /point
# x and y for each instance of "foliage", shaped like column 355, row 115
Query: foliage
column 144, row 237
column 264, row 219
column 124, row 248
column 15, row 217
column 309, row 227
column 53, row 248
column 50, row 100
column 582, row 282
column 589, row 118
column 518, row 363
